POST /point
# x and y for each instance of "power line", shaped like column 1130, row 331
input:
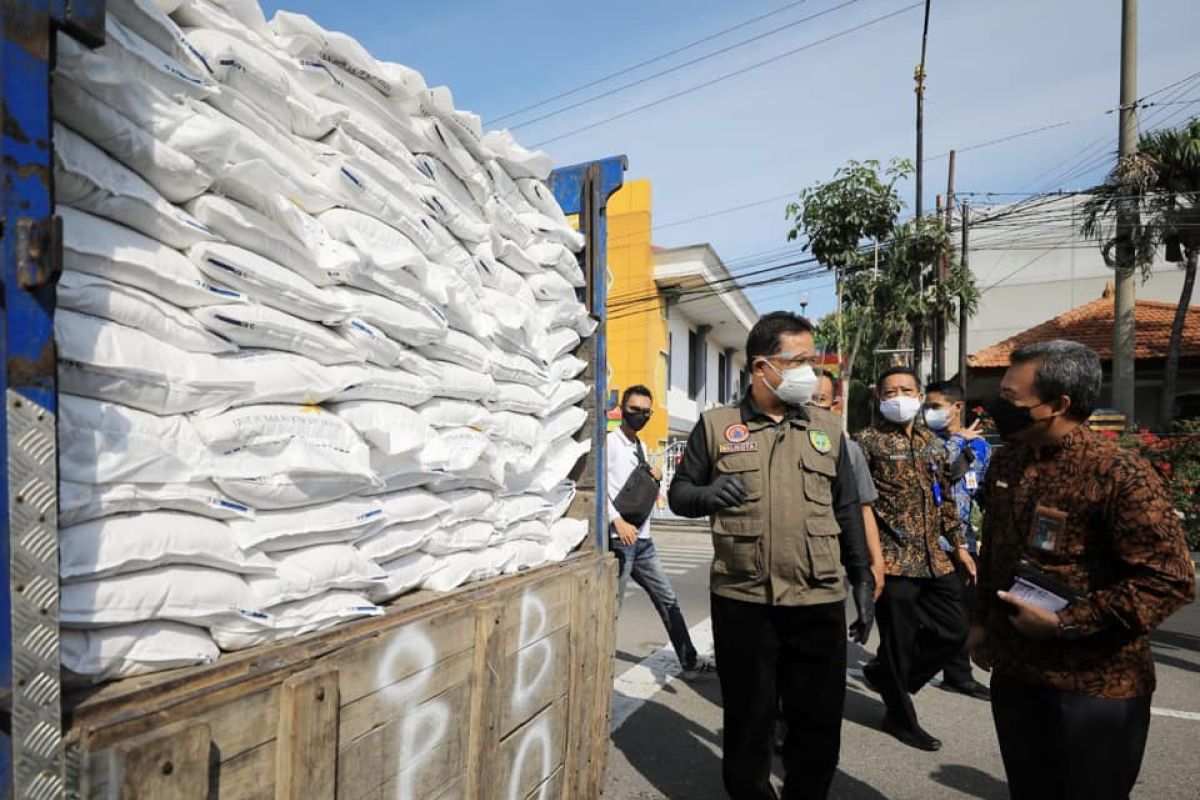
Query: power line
column 684, row 65
column 728, row 75
column 647, row 62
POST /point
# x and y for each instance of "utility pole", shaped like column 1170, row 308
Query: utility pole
column 940, row 324
column 919, row 77
column 1123, row 372
column 965, row 258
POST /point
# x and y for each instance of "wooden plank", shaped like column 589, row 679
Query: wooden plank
column 599, row 718
column 533, row 678
column 536, row 611
column 582, row 650
column 306, row 745
column 552, row 788
column 391, row 702
column 533, row 752
column 249, row 775
column 172, row 764
column 484, row 721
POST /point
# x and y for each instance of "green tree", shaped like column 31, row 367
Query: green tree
column 851, row 227
column 1161, row 182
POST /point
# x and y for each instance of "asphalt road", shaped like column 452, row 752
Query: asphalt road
column 669, row 744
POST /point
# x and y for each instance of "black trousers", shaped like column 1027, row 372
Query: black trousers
column 1061, row 746
column 922, row 624
column 958, row 668
column 766, row 654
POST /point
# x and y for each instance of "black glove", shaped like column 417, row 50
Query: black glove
column 725, row 492
column 864, row 602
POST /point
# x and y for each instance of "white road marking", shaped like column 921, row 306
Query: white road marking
column 1170, row 712
column 639, row 683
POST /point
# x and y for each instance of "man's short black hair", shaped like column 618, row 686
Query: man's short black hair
column 764, row 336
column 637, row 390
column 1065, row 368
column 948, row 389
column 890, row 371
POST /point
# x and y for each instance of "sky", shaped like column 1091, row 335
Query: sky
column 995, row 69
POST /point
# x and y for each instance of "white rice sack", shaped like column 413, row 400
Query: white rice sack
column 558, row 343
column 269, row 283
column 407, row 318
column 495, row 274
column 563, row 395
column 552, row 231
column 459, row 348
column 559, row 500
column 101, row 442
column 457, row 220
column 566, row 314
column 553, row 469
column 127, row 58
column 507, row 224
column 513, row 427
column 470, row 197
column 513, row 256
column 517, row 398
column 488, row 474
column 397, row 540
column 101, row 359
column 341, row 521
column 518, row 508
column 133, row 542
column 382, row 351
column 384, row 385
column 472, row 565
column 454, row 450
column 174, row 174
column 312, row 570
column 241, row 18
column 523, row 554
column 403, row 575
column 516, row 160
column 461, row 383
column 390, row 258
column 80, row 502
column 98, row 297
column 107, row 250
column 556, row 256
column 566, row 422
column 448, row 147
column 258, row 233
column 297, row 618
column 252, row 325
column 301, row 36
column 442, row 412
column 566, row 535
column 540, row 197
column 533, row 530
column 390, row 428
column 303, row 438
column 288, row 378
column 128, row 650
column 468, row 504
column 411, row 505
column 515, row 368
column 262, row 182
column 146, row 19
column 459, row 537
column 567, row 367
column 189, row 594
column 400, row 472
column 551, row 286
column 467, row 127
column 87, row 178
column 464, row 315
column 264, row 82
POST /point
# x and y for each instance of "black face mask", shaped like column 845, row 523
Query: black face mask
column 636, row 420
column 1010, row 418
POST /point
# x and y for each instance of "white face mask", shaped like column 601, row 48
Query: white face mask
column 797, row 386
column 901, row 410
column 938, row 419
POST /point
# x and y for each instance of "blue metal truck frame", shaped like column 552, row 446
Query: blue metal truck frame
column 33, row 765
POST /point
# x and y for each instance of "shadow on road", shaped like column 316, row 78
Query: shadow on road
column 1174, row 640
column 970, row 781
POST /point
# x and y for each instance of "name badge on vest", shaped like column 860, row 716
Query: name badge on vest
column 820, row 441
column 1046, row 533
column 737, row 440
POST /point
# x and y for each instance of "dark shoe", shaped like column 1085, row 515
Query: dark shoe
column 702, row 667
column 870, row 676
column 971, row 688
column 919, row 738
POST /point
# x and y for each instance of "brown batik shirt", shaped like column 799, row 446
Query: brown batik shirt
column 1097, row 519
column 911, row 521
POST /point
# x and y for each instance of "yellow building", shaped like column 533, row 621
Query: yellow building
column 677, row 323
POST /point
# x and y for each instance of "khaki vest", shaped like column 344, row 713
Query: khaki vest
column 781, row 546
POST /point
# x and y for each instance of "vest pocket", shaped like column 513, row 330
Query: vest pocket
column 824, row 548
column 748, row 467
column 736, row 548
column 818, row 488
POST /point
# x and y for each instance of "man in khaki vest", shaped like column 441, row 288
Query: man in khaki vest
column 787, row 531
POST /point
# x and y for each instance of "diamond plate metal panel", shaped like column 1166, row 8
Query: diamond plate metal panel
column 33, row 530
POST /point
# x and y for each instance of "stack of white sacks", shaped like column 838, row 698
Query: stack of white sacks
column 315, row 338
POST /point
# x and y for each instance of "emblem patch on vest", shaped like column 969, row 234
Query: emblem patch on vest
column 820, row 441
column 737, row 433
